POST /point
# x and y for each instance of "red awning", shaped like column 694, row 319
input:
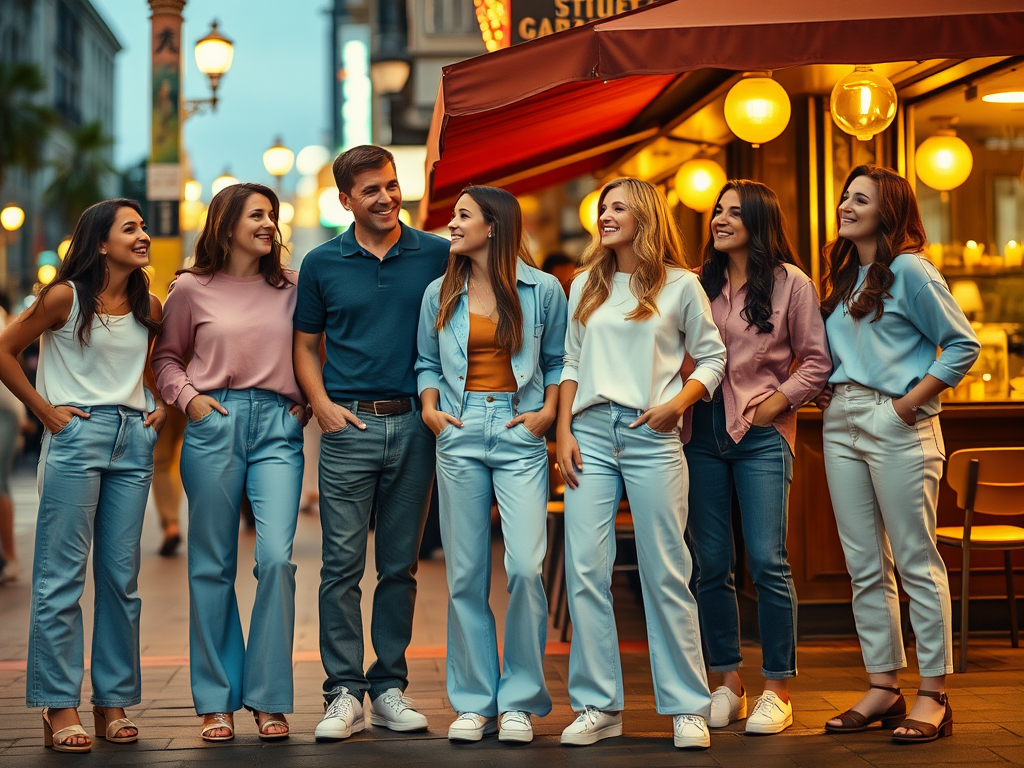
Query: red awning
column 569, row 104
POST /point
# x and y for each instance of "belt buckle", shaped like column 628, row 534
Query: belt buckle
column 375, row 411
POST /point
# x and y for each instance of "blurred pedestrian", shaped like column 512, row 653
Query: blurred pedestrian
column 562, row 267
column 97, row 320
column 167, row 488
column 12, row 424
column 766, row 310
column 491, row 342
column 888, row 311
column 231, row 313
column 361, row 291
column 635, row 313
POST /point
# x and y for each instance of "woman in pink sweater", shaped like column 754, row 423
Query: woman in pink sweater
column 230, row 315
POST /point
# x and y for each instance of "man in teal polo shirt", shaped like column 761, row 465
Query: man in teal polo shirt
column 361, row 291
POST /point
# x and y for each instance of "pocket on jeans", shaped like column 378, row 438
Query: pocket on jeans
column 890, row 409
column 940, row 444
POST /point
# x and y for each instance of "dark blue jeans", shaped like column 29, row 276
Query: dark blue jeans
column 760, row 467
column 388, row 466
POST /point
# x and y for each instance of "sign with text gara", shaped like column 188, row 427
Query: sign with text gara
column 531, row 19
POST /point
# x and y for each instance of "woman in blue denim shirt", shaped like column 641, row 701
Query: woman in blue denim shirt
column 490, row 356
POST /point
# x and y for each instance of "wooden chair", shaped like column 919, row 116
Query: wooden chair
column 987, row 481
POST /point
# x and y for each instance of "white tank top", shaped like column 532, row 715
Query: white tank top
column 106, row 371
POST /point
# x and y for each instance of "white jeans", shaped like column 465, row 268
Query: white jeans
column 883, row 476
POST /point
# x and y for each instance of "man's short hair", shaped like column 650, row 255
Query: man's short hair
column 351, row 163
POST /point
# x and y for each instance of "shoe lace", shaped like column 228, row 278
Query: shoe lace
column 340, row 706
column 765, row 702
column 398, row 701
column 696, row 720
column 519, row 718
column 588, row 716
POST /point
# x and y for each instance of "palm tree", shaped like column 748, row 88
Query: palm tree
column 81, row 167
column 24, row 125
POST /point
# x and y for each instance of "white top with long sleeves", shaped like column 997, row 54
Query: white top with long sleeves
column 634, row 363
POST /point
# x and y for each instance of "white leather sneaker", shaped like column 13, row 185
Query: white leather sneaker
column 592, row 725
column 393, row 710
column 726, row 707
column 771, row 714
column 469, row 726
column 690, row 732
column 343, row 717
column 515, row 726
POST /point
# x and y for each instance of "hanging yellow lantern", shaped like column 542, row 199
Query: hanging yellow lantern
column 698, row 183
column 863, row 103
column 588, row 211
column 757, row 109
column 943, row 161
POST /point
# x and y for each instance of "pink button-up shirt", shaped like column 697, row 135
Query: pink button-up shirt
column 760, row 364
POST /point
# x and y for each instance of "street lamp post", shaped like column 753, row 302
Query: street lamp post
column 11, row 219
column 278, row 160
column 214, row 54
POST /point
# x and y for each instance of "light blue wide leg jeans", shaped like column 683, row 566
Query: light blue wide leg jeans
column 94, row 478
column 257, row 448
column 650, row 467
column 475, row 463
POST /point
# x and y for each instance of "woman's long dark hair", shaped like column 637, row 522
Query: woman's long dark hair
column 86, row 267
column 507, row 247
column 214, row 242
column 899, row 231
column 769, row 249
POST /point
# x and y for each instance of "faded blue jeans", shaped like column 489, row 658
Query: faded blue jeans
column 760, row 467
column 255, row 449
column 650, row 466
column 476, row 462
column 94, row 478
column 388, row 466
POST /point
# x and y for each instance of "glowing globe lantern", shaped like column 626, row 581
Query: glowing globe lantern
column 698, row 182
column 943, row 161
column 863, row 103
column 757, row 109
column 12, row 217
column 588, row 211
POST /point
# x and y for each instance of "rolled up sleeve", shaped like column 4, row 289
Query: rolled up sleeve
column 171, row 349
column 810, row 346
column 428, row 348
column 701, row 338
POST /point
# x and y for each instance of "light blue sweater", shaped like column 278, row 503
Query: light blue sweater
column 893, row 354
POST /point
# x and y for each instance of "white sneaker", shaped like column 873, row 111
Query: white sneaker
column 516, row 726
column 392, row 710
column 469, row 726
column 771, row 714
column 690, row 732
column 343, row 717
column 726, row 707
column 592, row 725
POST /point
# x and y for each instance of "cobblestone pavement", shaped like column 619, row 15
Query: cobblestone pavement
column 988, row 701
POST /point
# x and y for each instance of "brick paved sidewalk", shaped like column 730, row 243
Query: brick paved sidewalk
column 987, row 701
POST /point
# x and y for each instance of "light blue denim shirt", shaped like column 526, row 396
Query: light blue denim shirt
column 892, row 354
column 442, row 361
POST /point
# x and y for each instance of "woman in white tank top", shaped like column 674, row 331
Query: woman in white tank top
column 96, row 322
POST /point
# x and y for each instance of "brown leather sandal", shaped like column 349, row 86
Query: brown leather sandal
column 927, row 731
column 854, row 722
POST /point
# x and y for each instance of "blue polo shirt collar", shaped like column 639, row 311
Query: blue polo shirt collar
column 409, row 240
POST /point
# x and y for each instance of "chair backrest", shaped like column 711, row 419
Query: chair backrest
column 1000, row 487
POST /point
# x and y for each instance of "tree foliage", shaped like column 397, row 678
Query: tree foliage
column 24, row 124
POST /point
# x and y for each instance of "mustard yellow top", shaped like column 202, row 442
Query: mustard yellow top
column 490, row 369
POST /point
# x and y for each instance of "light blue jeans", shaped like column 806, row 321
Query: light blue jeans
column 883, row 476
column 760, row 468
column 94, row 478
column 475, row 463
column 256, row 448
column 650, row 467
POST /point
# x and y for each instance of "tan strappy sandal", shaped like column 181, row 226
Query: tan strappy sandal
column 109, row 731
column 264, row 736
column 58, row 741
column 218, row 720
column 854, row 722
column 927, row 731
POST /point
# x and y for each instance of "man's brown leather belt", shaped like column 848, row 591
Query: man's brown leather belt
column 395, row 407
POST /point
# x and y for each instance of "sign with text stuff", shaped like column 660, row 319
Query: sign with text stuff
column 531, row 19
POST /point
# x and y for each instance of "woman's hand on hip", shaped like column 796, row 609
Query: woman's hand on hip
column 569, row 458
column 437, row 420
column 200, row 405
column 537, row 422
column 59, row 416
column 156, row 418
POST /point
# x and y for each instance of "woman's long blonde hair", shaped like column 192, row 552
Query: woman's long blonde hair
column 657, row 245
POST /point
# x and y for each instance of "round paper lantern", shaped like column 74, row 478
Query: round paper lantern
column 943, row 161
column 588, row 211
column 757, row 109
column 698, row 182
column 863, row 103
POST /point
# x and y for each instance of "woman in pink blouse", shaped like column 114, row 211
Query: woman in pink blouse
column 766, row 310
column 230, row 316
